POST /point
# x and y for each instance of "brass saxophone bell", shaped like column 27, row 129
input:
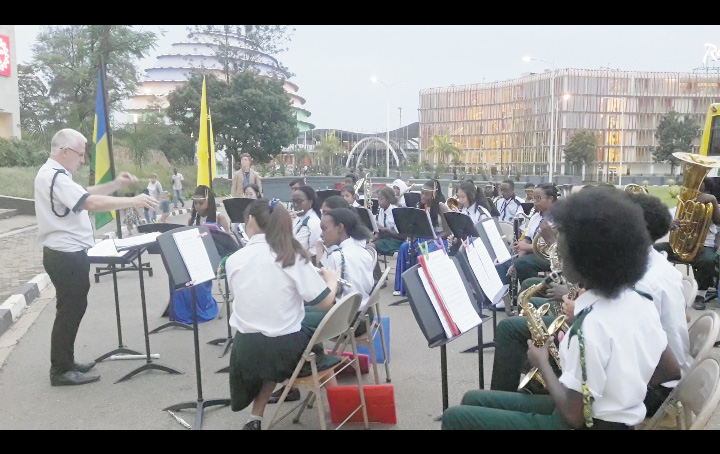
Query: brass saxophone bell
column 453, row 204
column 532, row 374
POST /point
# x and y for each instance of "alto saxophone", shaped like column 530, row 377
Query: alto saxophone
column 538, row 331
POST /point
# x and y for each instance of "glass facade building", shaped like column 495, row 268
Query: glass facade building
column 505, row 127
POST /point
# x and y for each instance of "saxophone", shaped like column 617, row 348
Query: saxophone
column 538, row 331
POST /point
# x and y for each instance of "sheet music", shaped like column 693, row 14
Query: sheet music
column 484, row 269
column 501, row 251
column 193, row 252
column 105, row 248
column 373, row 221
column 451, row 288
column 435, row 304
column 134, row 241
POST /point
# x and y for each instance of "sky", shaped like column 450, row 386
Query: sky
column 334, row 64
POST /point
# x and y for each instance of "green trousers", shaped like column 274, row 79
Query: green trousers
column 501, row 410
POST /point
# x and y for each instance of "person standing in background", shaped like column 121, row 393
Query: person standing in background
column 155, row 190
column 244, row 177
column 177, row 186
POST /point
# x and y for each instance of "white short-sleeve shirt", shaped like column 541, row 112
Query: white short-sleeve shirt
column 358, row 269
column 177, row 180
column 532, row 226
column 269, row 299
column 623, row 344
column 508, row 208
column 385, row 218
column 69, row 233
column 476, row 213
column 308, row 233
column 663, row 282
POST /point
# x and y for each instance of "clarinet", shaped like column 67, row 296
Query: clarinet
column 513, row 279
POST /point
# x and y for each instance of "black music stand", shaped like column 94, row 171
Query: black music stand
column 113, row 269
column 154, row 248
column 149, row 365
column 235, row 208
column 324, row 194
column 412, row 199
column 414, row 223
column 431, row 326
column 480, row 297
column 527, row 207
column 366, row 218
column 175, row 266
column 111, row 263
column 461, row 225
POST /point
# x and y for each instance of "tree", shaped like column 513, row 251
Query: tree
column 674, row 133
column 581, row 149
column 328, row 147
column 37, row 111
column 66, row 59
column 250, row 114
column 239, row 47
column 443, row 148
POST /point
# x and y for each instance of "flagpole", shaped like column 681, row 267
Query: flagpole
column 109, row 139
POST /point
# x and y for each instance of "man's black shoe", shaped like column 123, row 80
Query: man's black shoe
column 252, row 425
column 84, row 367
column 72, row 377
column 699, row 304
column 292, row 396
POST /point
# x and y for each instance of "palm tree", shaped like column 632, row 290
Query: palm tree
column 443, row 148
column 328, row 147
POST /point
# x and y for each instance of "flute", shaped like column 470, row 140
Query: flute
column 341, row 281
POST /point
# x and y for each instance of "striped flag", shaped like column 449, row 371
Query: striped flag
column 101, row 157
column 202, row 149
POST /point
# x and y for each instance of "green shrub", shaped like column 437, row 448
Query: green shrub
column 671, row 182
column 674, row 190
column 21, row 153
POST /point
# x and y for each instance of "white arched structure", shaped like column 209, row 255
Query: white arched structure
column 367, row 141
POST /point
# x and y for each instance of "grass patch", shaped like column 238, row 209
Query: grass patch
column 663, row 194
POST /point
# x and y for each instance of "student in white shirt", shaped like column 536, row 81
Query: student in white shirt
column 66, row 234
column 508, row 203
column 348, row 193
column 474, row 204
column 388, row 240
column 400, row 189
column 616, row 345
column 306, row 225
column 273, row 280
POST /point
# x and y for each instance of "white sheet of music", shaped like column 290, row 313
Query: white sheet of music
column 138, row 240
column 193, row 252
column 451, row 288
column 435, row 304
column 105, row 248
column 484, row 269
column 499, row 247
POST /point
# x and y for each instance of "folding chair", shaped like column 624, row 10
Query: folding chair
column 690, row 287
column 374, row 327
column 337, row 322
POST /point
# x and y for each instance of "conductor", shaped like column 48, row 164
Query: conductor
column 65, row 231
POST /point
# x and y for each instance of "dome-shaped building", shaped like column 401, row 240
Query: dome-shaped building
column 172, row 70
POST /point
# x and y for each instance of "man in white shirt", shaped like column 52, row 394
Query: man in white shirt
column 65, row 231
column 177, row 185
column 508, row 203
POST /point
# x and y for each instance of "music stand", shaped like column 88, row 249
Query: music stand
column 154, row 248
column 527, row 207
column 324, row 194
column 460, row 224
column 412, row 199
column 366, row 218
column 430, row 324
column 235, row 208
column 413, row 223
column 175, row 266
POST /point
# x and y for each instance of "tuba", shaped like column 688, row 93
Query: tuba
column 694, row 217
column 540, row 248
column 636, row 188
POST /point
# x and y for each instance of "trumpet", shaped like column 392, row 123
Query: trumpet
column 340, row 281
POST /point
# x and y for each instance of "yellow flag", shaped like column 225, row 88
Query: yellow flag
column 202, row 150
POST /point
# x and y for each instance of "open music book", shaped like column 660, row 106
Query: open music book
column 485, row 271
column 105, row 248
column 193, row 252
column 135, row 241
column 443, row 281
column 499, row 247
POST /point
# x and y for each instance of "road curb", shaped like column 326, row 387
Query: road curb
column 13, row 307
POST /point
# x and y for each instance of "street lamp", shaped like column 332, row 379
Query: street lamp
column 552, row 112
column 387, row 137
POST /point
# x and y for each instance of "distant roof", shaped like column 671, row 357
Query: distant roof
column 410, row 131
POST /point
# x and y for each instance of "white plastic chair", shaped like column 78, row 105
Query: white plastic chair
column 690, row 287
column 703, row 333
column 508, row 232
column 337, row 322
column 694, row 399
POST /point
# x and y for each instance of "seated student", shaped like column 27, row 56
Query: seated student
column 400, row 189
column 661, row 281
column 348, row 193
column 272, row 281
column 388, row 239
column 527, row 264
column 351, row 179
column 703, row 265
column 322, row 250
column 474, row 204
column 294, row 184
column 508, row 203
column 306, row 225
column 252, row 191
column 604, row 244
column 432, row 200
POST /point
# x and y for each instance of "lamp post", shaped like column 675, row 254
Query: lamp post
column 552, row 112
column 387, row 136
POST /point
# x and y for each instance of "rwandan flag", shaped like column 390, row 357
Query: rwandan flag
column 101, row 157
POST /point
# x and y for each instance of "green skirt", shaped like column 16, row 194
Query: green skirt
column 388, row 246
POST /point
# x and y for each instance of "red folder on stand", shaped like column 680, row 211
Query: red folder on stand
column 453, row 327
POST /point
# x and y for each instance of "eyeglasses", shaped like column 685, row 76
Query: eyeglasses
column 539, row 199
column 82, row 155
